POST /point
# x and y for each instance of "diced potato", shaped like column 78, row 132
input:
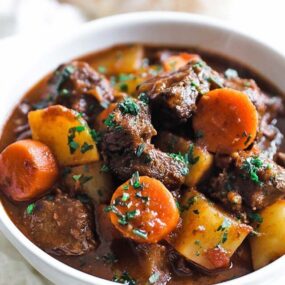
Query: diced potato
column 66, row 134
column 200, row 160
column 92, row 179
column 125, row 59
column 270, row 244
column 128, row 82
column 208, row 236
column 202, row 166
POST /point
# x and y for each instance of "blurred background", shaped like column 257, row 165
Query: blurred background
column 262, row 18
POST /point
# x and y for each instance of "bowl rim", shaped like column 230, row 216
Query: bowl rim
column 18, row 239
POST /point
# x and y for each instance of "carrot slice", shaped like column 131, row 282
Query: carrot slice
column 143, row 209
column 226, row 119
column 28, row 170
column 174, row 62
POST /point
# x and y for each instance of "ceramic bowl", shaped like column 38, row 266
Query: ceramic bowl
column 27, row 59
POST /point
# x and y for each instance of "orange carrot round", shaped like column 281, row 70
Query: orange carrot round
column 226, row 121
column 174, row 62
column 143, row 209
column 28, row 170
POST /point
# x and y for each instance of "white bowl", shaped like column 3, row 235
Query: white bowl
column 30, row 65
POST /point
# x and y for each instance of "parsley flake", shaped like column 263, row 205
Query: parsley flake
column 129, row 106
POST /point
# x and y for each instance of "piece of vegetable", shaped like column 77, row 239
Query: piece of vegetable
column 28, row 170
column 226, row 119
column 208, row 236
column 200, row 163
column 93, row 179
column 125, row 59
column 66, row 133
column 143, row 209
column 174, row 62
column 198, row 159
column 269, row 244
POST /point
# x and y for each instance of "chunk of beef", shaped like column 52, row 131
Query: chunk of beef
column 61, row 225
column 173, row 95
column 127, row 148
column 153, row 261
column 78, row 86
column 250, row 181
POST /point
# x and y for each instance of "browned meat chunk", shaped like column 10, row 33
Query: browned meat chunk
column 60, row 225
column 173, row 95
column 126, row 146
column 250, row 181
column 77, row 86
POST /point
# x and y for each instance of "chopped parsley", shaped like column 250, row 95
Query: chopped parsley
column 190, row 156
column 30, row 209
column 125, row 197
column 154, row 277
column 102, row 69
column 251, row 166
column 140, row 150
column 190, row 202
column 73, row 146
column 96, row 136
column 124, row 87
column 140, row 233
column 86, row 147
column 129, row 106
column 135, row 180
column 139, row 195
column 143, row 98
column 124, row 278
column 255, row 217
column 225, row 225
column 109, row 122
column 81, row 178
column 104, row 168
column 224, row 237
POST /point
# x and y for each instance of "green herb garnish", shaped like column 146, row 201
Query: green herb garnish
column 140, row 233
column 140, row 150
column 86, row 147
column 125, row 278
column 129, row 106
column 135, row 180
column 251, row 166
column 30, row 209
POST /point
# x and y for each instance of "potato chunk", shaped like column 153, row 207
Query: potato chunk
column 201, row 166
column 125, row 59
column 208, row 236
column 92, row 179
column 270, row 244
column 65, row 133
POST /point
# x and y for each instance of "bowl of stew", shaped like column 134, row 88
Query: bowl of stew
column 147, row 148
